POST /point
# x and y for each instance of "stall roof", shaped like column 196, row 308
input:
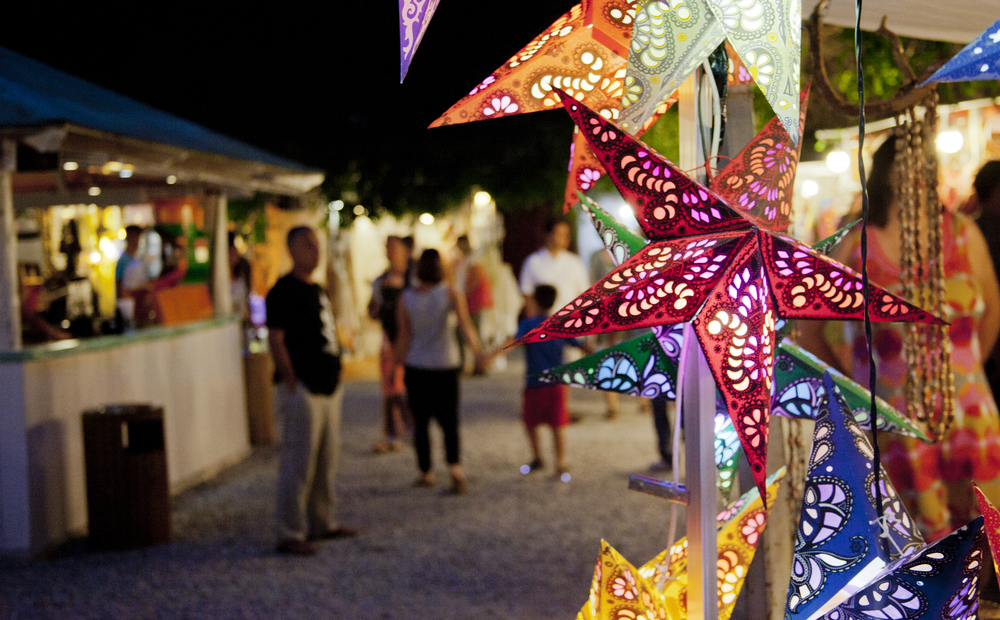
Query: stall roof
column 958, row 21
column 34, row 97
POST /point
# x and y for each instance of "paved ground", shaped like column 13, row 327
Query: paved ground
column 519, row 547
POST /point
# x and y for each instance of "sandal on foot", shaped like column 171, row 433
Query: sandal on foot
column 459, row 486
column 384, row 447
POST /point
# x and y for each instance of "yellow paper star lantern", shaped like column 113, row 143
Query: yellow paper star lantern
column 741, row 527
column 658, row 589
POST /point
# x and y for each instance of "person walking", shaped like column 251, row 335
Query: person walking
column 386, row 291
column 543, row 403
column 555, row 265
column 303, row 339
column 428, row 346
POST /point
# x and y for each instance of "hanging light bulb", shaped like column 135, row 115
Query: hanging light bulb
column 481, row 199
column 838, row 161
column 950, row 141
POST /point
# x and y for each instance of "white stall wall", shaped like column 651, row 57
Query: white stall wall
column 196, row 376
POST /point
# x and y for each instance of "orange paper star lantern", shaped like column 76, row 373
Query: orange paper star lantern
column 565, row 56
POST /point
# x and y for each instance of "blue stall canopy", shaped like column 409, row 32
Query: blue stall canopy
column 54, row 112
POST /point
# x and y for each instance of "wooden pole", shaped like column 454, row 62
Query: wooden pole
column 219, row 221
column 10, row 304
column 698, row 409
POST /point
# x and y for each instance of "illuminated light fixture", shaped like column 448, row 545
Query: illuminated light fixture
column 94, row 191
column 733, row 310
column 171, row 180
column 481, row 199
column 121, row 234
column 337, row 205
column 112, row 166
column 949, row 141
column 126, row 173
column 426, row 219
column 658, row 588
column 359, row 210
column 71, row 165
column 515, row 88
column 108, row 248
column 809, row 189
column 625, row 212
column 838, row 510
column 838, row 161
column 94, row 257
column 741, row 526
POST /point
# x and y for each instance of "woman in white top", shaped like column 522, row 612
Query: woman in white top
column 428, row 347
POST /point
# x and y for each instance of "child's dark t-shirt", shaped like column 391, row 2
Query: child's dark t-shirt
column 541, row 356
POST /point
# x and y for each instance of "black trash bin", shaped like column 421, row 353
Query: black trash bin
column 128, row 497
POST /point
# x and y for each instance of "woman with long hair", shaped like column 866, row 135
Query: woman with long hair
column 934, row 480
column 429, row 314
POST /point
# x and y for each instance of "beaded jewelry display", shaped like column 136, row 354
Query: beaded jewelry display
column 930, row 389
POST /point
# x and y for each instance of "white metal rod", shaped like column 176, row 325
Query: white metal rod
column 699, row 442
column 698, row 408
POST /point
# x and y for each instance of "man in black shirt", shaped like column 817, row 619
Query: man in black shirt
column 303, row 339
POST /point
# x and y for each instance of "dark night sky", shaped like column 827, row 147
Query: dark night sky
column 318, row 82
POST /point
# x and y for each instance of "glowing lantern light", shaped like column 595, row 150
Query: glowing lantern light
column 949, row 141
column 838, row 161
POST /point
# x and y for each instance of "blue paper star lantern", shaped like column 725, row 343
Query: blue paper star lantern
column 939, row 581
column 979, row 60
column 838, row 549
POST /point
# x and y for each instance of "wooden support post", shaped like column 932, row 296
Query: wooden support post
column 741, row 122
column 690, row 147
column 10, row 304
column 219, row 221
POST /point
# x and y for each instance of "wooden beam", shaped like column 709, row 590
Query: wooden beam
column 10, row 304
column 217, row 219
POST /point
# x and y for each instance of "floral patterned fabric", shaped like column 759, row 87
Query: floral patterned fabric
column 935, row 480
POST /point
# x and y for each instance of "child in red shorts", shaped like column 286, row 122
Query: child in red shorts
column 544, row 403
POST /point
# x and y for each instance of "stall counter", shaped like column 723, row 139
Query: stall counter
column 194, row 371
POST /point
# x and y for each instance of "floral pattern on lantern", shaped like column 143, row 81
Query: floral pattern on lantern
column 688, row 268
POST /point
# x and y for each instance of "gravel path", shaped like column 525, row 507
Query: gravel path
column 519, row 547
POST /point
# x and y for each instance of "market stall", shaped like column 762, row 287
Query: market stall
column 80, row 165
column 715, row 276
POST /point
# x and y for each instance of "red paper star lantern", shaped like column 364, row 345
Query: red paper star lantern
column 713, row 264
